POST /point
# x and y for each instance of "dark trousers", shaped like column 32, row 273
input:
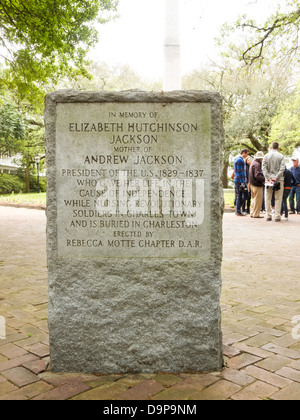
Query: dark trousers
column 295, row 192
column 247, row 202
column 263, row 207
column 241, row 197
column 284, row 207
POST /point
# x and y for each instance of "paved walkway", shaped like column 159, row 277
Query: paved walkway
column 260, row 299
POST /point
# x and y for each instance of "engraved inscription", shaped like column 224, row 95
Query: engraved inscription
column 133, row 183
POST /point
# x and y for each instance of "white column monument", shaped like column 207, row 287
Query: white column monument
column 172, row 68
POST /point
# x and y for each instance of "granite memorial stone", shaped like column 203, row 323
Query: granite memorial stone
column 134, row 231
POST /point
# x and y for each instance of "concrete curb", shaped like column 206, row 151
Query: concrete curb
column 23, row 205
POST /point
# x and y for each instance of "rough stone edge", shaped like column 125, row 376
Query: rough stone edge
column 51, row 205
column 217, row 199
column 135, row 96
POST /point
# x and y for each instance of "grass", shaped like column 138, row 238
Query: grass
column 32, row 198
column 229, row 199
column 40, row 199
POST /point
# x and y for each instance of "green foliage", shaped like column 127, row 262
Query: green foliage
column 12, row 128
column 112, row 78
column 34, row 183
column 11, row 183
column 259, row 106
column 256, row 105
column 22, row 133
column 16, row 183
column 250, row 101
column 33, row 143
column 276, row 39
column 286, row 123
column 46, row 40
column 229, row 198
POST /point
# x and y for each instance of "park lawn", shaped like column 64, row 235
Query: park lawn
column 229, row 199
column 32, row 198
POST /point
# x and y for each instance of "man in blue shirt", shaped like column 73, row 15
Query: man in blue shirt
column 240, row 181
column 296, row 188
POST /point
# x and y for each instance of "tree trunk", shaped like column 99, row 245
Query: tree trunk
column 27, row 180
column 225, row 175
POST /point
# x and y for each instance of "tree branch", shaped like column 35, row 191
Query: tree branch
column 254, row 141
column 34, row 122
column 277, row 24
column 250, row 148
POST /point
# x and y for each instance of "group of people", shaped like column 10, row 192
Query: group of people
column 267, row 184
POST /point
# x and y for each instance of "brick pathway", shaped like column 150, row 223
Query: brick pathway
column 260, row 299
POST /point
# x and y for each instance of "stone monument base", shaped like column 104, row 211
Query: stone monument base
column 134, row 231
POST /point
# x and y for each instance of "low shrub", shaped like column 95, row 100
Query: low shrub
column 34, row 185
column 16, row 183
column 11, row 183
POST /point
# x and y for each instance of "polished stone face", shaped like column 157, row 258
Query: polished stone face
column 134, row 231
column 133, row 180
